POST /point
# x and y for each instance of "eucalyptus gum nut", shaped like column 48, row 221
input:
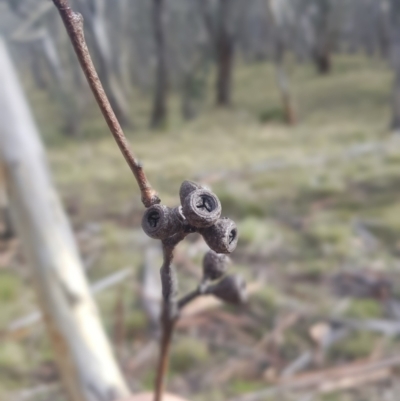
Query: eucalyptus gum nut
column 175, row 220
column 222, row 237
column 231, row 289
column 187, row 188
column 201, row 208
column 155, row 221
column 215, row 265
column 178, row 215
column 160, row 222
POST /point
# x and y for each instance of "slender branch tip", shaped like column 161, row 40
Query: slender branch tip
column 73, row 23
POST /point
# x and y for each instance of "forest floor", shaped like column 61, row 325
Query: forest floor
column 318, row 211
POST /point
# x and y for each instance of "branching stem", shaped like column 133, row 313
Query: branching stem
column 202, row 289
column 74, row 25
column 188, row 298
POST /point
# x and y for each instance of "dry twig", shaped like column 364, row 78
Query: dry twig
column 74, row 25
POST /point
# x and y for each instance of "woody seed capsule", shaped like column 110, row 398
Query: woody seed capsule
column 201, row 208
column 215, row 265
column 186, row 188
column 160, row 222
column 231, row 289
column 222, row 237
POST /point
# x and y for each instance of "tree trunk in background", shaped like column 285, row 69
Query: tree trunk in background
column 70, row 103
column 395, row 59
column 224, row 48
column 281, row 76
column 321, row 53
column 46, row 63
column 124, row 15
column 284, row 87
column 384, row 29
column 93, row 12
column 159, row 113
column 83, row 353
column 52, row 57
column 224, row 70
column 37, row 69
column 322, row 60
column 396, row 102
column 7, row 227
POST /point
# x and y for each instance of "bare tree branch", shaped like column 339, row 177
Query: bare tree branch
column 74, row 25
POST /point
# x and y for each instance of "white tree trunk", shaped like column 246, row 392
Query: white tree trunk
column 86, row 362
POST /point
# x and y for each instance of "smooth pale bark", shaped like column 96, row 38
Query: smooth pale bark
column 83, row 353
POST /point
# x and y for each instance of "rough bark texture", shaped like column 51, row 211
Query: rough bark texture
column 159, row 113
column 84, row 356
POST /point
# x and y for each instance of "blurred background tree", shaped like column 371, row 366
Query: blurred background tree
column 166, row 45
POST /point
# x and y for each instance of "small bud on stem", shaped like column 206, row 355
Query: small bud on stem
column 215, row 265
column 231, row 289
column 186, row 188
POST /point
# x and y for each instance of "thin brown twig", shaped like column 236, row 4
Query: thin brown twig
column 165, row 345
column 189, row 298
column 169, row 310
column 202, row 289
column 74, row 25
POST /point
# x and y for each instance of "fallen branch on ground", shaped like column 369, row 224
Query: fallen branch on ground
column 325, row 381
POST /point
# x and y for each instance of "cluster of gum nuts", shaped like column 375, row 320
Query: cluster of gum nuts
column 200, row 211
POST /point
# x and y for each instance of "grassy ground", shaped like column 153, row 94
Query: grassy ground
column 300, row 218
